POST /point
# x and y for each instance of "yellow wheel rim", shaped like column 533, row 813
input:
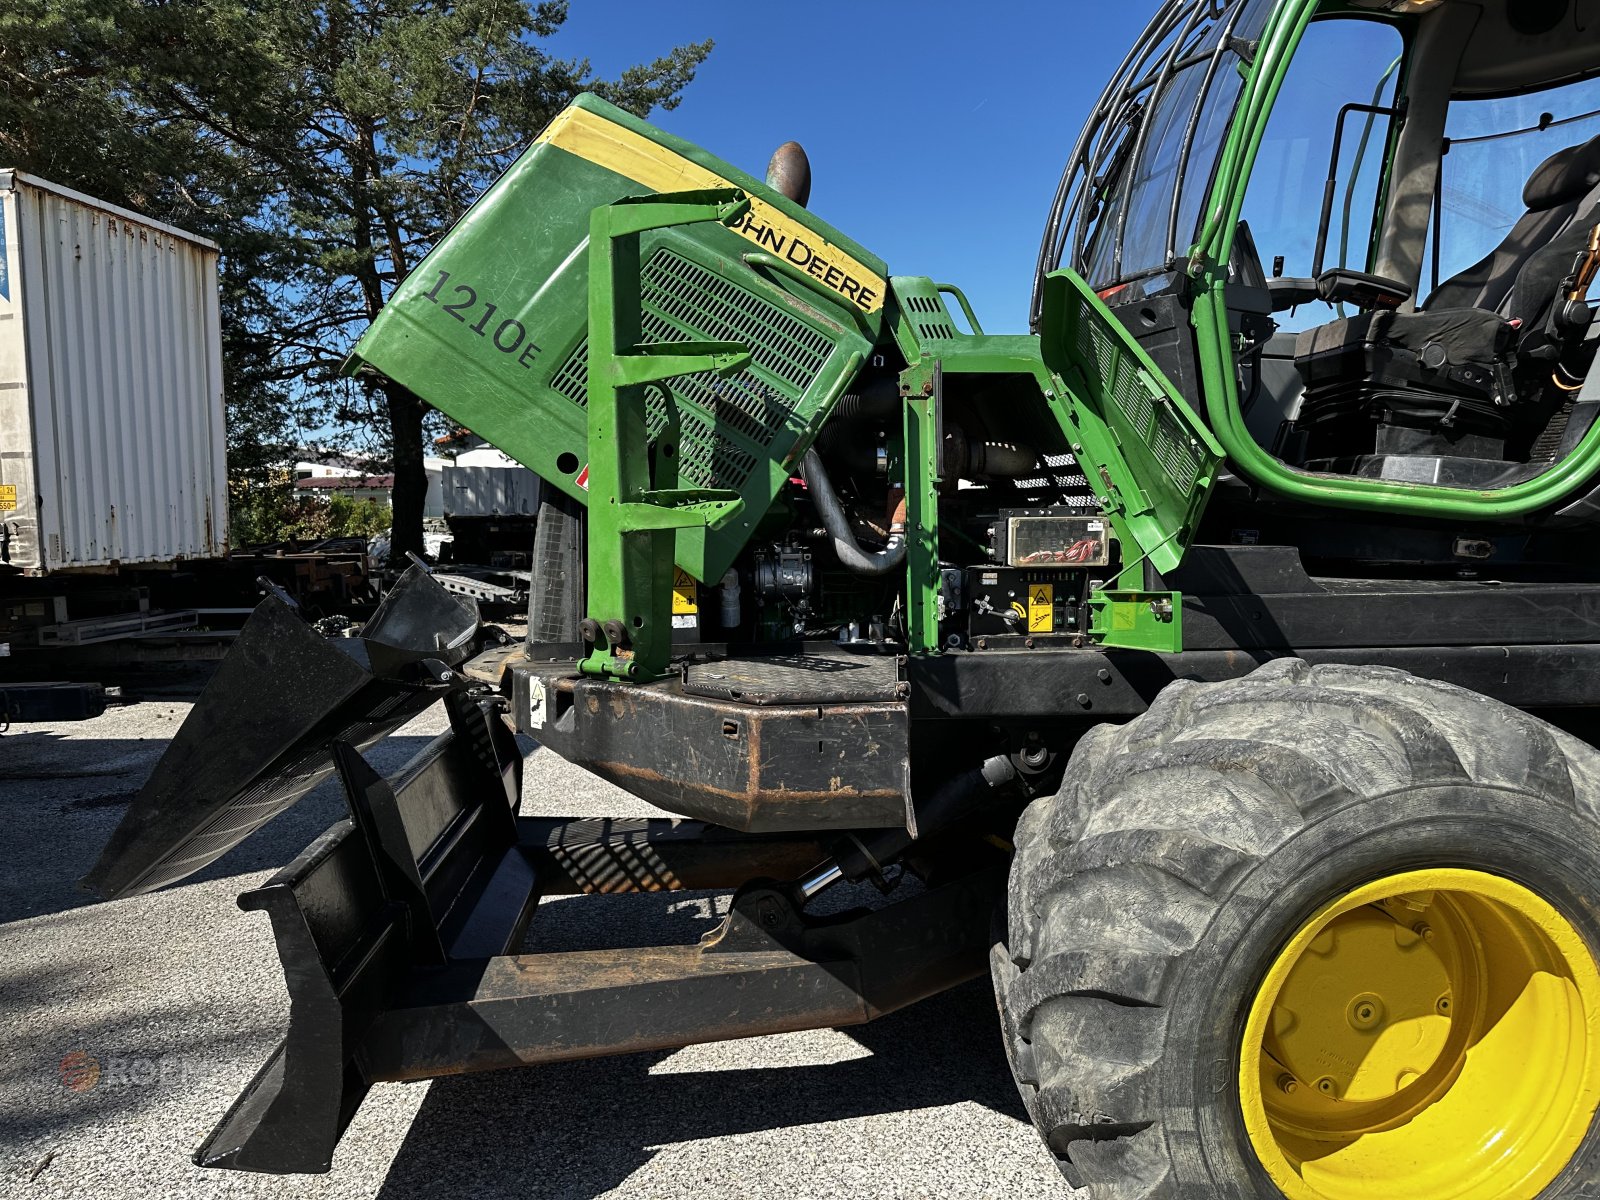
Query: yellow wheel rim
column 1434, row 1035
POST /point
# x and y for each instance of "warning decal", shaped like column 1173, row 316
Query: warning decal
column 685, row 599
column 1041, row 608
column 8, row 496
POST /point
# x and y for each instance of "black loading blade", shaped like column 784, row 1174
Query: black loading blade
column 262, row 733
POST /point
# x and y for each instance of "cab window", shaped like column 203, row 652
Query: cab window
column 1493, row 147
column 1340, row 62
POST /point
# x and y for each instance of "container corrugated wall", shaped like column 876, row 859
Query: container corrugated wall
column 472, row 491
column 111, row 410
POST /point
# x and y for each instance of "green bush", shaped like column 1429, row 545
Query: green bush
column 275, row 513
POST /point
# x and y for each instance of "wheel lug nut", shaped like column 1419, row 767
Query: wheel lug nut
column 1288, row 1084
column 1327, row 1087
column 1423, row 930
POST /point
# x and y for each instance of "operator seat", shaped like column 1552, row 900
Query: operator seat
column 1448, row 370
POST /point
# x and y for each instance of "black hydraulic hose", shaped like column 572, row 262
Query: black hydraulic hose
column 837, row 524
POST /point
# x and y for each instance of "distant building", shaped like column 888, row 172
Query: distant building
column 334, row 474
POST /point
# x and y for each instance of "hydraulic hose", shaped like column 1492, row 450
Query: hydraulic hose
column 834, row 520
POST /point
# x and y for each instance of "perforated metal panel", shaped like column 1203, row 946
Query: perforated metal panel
column 928, row 315
column 1144, row 405
column 726, row 422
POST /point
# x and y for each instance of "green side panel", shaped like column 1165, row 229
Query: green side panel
column 1141, row 445
column 491, row 327
column 1137, row 620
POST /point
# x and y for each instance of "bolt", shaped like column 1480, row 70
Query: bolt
column 983, row 643
column 771, row 914
column 1084, row 701
column 1103, row 675
column 1028, row 642
column 1423, row 930
column 1327, row 1087
column 1288, row 1084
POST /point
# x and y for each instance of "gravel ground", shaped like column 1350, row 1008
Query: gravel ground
column 179, row 998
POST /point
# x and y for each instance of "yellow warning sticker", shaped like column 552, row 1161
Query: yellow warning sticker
column 8, row 496
column 1041, row 607
column 685, row 598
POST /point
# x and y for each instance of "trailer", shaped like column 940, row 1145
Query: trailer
column 113, row 468
column 111, row 410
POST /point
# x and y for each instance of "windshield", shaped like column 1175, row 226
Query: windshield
column 1131, row 199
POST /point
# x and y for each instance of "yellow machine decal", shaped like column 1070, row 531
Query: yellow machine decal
column 8, row 496
column 627, row 153
column 1041, row 608
column 685, row 600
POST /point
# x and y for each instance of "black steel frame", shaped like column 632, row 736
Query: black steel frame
column 400, row 933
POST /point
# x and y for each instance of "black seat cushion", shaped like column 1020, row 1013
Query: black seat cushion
column 1541, row 276
column 1555, row 191
column 1451, row 369
column 1457, row 349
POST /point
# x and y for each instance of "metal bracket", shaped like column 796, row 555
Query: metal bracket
column 636, row 505
column 1137, row 620
column 377, row 816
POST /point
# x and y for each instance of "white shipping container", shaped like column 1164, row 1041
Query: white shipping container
column 111, row 412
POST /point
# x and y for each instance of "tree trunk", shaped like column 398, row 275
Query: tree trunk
column 410, row 475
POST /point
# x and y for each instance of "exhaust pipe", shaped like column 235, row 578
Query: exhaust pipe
column 789, row 172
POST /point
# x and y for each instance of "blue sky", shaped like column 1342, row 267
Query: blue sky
column 937, row 131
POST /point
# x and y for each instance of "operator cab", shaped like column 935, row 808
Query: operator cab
column 1407, row 292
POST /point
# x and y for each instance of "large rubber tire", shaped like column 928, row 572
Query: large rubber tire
column 555, row 599
column 1150, row 895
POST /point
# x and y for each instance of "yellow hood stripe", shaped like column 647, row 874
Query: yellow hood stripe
column 608, row 145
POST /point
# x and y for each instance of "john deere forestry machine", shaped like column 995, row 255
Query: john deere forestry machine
column 1215, row 664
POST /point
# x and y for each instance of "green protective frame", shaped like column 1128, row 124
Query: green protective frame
column 1263, row 81
column 637, row 506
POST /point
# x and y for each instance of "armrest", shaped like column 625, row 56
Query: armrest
column 1290, row 291
column 1343, row 286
